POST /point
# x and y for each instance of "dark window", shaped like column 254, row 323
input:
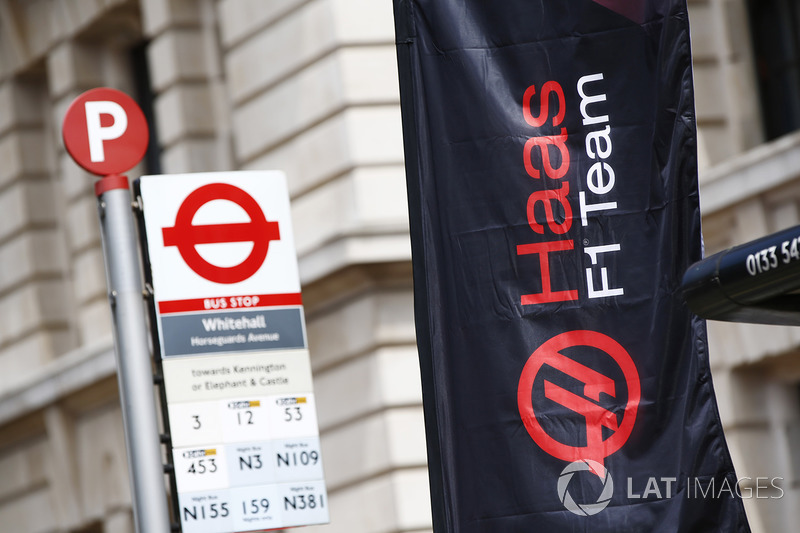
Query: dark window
column 95, row 527
column 145, row 98
column 775, row 27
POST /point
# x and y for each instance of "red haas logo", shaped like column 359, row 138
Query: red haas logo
column 598, row 419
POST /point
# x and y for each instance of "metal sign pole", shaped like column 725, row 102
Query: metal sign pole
column 135, row 372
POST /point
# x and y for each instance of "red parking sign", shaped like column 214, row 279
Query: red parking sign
column 105, row 131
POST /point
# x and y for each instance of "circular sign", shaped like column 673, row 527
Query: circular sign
column 585, row 509
column 187, row 236
column 105, row 131
column 597, row 418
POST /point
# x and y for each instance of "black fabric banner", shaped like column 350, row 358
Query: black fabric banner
column 552, row 176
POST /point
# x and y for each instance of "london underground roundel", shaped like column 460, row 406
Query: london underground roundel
column 219, row 235
column 187, row 236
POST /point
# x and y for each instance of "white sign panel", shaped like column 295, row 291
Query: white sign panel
column 223, row 262
column 233, row 349
column 220, row 235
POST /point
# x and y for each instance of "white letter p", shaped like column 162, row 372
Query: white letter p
column 97, row 133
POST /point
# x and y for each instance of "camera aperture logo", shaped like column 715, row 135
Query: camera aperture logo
column 585, row 509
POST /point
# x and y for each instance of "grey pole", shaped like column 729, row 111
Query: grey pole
column 134, row 369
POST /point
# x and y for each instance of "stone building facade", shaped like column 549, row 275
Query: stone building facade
column 309, row 87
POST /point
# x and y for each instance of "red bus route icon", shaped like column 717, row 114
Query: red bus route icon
column 596, row 416
column 186, row 236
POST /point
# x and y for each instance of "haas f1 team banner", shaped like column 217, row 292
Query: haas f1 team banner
column 551, row 162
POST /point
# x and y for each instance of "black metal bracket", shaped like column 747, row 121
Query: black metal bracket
column 754, row 282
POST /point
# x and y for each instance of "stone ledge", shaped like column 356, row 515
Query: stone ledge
column 753, row 173
column 357, row 248
column 67, row 374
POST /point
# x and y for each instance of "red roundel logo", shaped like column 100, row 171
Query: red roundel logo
column 186, row 236
column 605, row 433
column 105, row 131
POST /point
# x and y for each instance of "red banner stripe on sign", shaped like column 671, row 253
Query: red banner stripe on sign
column 229, row 303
